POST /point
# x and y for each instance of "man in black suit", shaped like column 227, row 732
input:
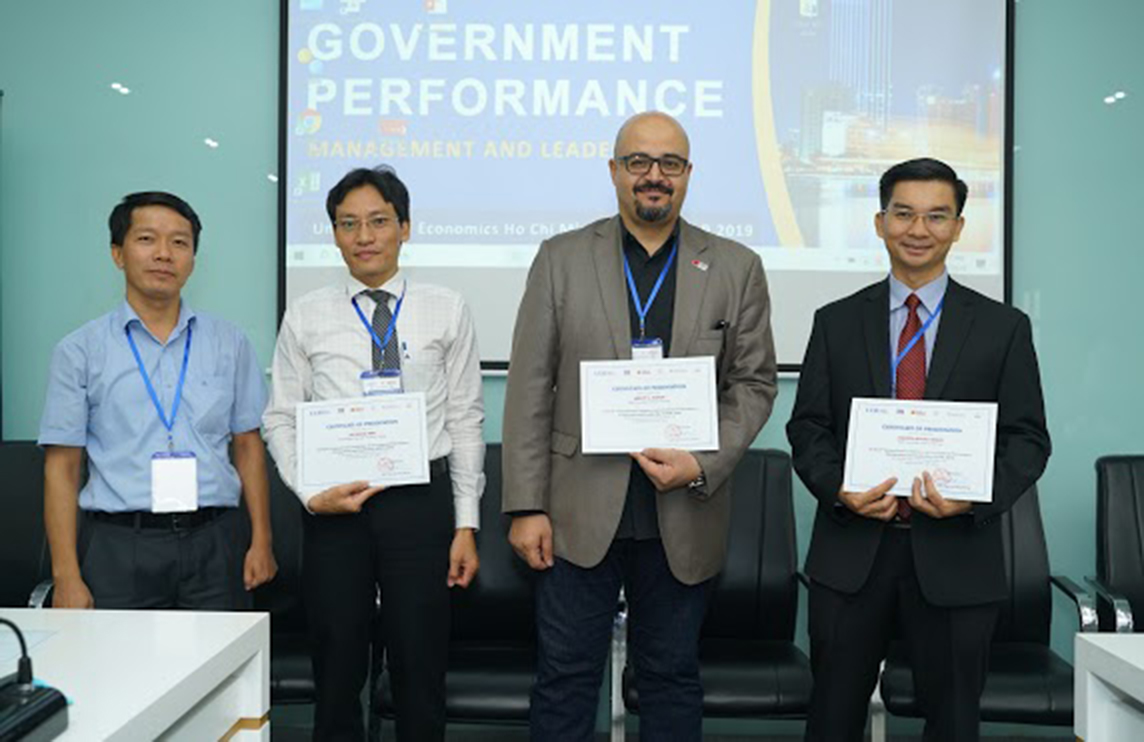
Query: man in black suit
column 931, row 565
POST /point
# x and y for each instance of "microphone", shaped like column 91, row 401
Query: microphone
column 24, row 667
column 24, row 706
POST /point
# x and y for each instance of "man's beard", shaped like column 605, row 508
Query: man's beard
column 654, row 214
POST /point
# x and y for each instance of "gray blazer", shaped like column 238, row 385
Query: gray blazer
column 575, row 308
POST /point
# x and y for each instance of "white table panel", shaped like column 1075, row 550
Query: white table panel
column 133, row 675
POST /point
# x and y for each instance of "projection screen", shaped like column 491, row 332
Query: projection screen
column 500, row 117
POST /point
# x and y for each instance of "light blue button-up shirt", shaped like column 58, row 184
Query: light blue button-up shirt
column 931, row 295
column 98, row 400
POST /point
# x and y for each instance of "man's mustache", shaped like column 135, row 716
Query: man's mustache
column 661, row 187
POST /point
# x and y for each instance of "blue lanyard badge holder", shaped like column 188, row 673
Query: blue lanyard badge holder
column 643, row 347
column 174, row 474
column 384, row 380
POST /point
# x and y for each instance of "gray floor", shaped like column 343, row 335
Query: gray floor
column 297, row 734
column 292, row 724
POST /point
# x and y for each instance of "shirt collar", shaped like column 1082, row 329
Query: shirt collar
column 930, row 294
column 395, row 285
column 127, row 315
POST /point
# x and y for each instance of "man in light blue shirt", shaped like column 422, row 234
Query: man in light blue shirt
column 166, row 403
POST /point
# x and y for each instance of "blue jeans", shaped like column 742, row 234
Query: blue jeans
column 575, row 609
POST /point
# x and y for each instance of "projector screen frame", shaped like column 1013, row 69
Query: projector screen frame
column 499, row 367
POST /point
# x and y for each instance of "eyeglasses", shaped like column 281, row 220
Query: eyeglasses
column 351, row 226
column 640, row 164
column 903, row 219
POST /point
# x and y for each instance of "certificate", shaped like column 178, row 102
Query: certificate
column 628, row 406
column 380, row 439
column 953, row 441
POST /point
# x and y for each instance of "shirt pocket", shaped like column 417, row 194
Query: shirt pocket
column 422, row 367
column 212, row 406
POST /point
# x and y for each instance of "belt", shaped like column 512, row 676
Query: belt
column 168, row 521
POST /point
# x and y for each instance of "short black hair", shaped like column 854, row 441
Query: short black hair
column 120, row 220
column 383, row 178
column 923, row 168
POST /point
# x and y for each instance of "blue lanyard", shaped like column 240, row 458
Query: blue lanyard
column 382, row 342
column 643, row 309
column 168, row 424
column 895, row 360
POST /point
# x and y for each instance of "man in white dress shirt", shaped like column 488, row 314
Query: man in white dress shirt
column 376, row 329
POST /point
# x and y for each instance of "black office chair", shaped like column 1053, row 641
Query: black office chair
column 1027, row 683
column 1119, row 581
column 22, row 544
column 492, row 652
column 749, row 664
column 291, row 673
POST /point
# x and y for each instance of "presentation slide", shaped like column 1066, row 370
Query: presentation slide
column 501, row 118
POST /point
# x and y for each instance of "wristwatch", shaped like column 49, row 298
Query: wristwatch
column 698, row 485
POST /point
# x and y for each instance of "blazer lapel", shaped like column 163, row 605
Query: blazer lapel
column 876, row 327
column 690, row 286
column 607, row 254
column 952, row 331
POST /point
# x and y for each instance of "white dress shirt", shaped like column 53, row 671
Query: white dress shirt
column 323, row 348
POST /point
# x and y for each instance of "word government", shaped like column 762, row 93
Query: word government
column 529, row 42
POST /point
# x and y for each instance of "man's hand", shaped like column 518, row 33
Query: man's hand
column 342, row 499
column 259, row 566
column 873, row 503
column 531, row 538
column 926, row 499
column 71, row 592
column 463, row 559
column 668, row 468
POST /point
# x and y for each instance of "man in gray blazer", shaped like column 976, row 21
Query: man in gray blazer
column 656, row 522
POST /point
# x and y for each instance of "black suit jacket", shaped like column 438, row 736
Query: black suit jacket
column 983, row 353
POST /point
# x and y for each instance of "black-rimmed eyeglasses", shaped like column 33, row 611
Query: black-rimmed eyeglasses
column 638, row 163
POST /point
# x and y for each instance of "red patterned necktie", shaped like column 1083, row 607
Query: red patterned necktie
column 911, row 378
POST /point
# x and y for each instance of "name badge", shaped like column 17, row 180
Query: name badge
column 384, row 381
column 174, row 482
column 649, row 349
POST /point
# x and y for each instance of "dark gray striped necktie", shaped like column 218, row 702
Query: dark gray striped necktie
column 381, row 318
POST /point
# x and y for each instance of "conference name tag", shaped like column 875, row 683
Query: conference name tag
column 385, row 381
column 650, row 349
column 174, row 482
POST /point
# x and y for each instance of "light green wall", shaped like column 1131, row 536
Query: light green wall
column 70, row 147
column 1078, row 264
